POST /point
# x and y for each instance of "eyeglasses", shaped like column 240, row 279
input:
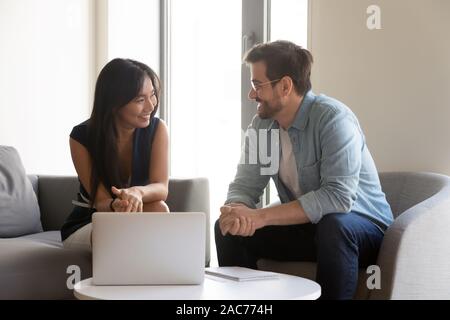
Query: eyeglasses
column 257, row 87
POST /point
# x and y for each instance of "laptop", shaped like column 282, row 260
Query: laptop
column 148, row 248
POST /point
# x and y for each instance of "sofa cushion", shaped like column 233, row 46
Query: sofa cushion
column 34, row 179
column 36, row 267
column 49, row 237
column 19, row 209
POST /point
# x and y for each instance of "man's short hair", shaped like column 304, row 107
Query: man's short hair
column 284, row 58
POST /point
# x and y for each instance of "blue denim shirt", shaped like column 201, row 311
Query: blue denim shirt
column 336, row 171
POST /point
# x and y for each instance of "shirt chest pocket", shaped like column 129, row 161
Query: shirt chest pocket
column 310, row 177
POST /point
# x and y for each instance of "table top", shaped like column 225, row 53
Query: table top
column 285, row 287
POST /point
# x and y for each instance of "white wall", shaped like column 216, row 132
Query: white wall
column 397, row 79
column 46, row 63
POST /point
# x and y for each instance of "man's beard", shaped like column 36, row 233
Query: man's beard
column 267, row 112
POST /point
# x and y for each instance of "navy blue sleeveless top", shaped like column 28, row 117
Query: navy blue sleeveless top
column 142, row 147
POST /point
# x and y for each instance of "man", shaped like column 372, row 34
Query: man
column 333, row 210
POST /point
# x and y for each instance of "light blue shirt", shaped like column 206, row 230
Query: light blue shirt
column 336, row 171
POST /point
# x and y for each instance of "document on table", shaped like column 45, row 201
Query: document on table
column 240, row 274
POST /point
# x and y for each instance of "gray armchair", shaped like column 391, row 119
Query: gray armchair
column 34, row 266
column 414, row 257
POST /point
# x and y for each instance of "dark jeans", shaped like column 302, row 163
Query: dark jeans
column 340, row 243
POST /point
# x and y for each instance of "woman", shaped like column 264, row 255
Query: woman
column 121, row 152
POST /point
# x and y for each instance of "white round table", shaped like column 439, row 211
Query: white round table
column 285, row 287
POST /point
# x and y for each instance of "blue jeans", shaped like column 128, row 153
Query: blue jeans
column 340, row 243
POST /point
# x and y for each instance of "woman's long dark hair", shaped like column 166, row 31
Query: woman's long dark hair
column 119, row 82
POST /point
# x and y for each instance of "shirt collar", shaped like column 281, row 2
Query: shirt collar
column 302, row 116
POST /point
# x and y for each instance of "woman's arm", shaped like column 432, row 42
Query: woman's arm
column 157, row 190
column 83, row 165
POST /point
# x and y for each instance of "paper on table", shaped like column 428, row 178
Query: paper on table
column 240, row 274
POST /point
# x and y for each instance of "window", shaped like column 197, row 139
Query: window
column 46, row 60
column 133, row 31
column 205, row 109
column 289, row 21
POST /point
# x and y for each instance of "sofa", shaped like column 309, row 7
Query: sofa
column 414, row 257
column 35, row 266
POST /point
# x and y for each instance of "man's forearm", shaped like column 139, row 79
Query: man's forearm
column 286, row 214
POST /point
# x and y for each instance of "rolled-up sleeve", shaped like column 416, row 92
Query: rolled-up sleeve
column 341, row 143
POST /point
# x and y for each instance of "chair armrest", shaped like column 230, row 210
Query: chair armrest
column 191, row 195
column 55, row 194
column 414, row 257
